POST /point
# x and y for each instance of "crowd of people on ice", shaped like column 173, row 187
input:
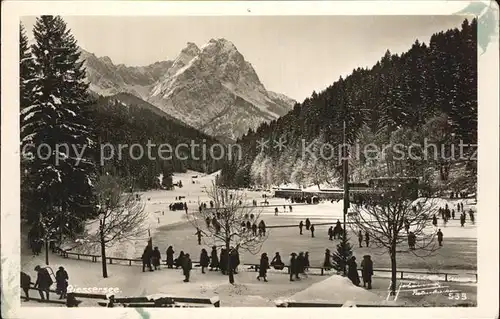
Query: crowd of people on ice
column 223, row 262
column 299, row 264
column 229, row 260
column 447, row 214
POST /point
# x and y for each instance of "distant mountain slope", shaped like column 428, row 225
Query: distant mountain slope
column 124, row 120
column 127, row 99
column 212, row 88
column 107, row 78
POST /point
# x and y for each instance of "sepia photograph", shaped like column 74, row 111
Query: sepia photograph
column 250, row 160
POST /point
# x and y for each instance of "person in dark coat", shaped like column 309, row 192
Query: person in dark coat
column 290, row 207
column 327, row 263
column 337, row 230
column 367, row 239
column 207, row 221
column 187, row 265
column 367, row 271
column 312, row 231
column 146, row 260
column 308, row 223
column 26, row 284
column 262, row 228
column 214, row 260
column 43, row 282
column 249, row 226
column 263, row 266
column 407, row 225
column 223, row 261
column 462, row 219
column 198, row 234
column 360, row 239
column 440, row 237
column 330, row 233
column 352, row 272
column 471, row 215
column 276, row 211
column 301, row 225
column 204, row 260
column 277, row 263
column 156, row 258
column 301, row 264
column 412, row 239
column 39, row 245
column 434, row 220
column 254, row 229
column 62, row 282
column 178, row 260
column 234, row 257
column 452, row 214
column 306, row 261
column 170, row 257
column 293, row 266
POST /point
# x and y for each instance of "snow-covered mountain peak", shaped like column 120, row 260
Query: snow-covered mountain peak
column 107, row 60
column 219, row 44
column 212, row 88
column 217, row 91
column 191, row 49
column 182, row 60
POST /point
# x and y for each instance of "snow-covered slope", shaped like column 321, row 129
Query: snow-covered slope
column 212, row 88
column 337, row 290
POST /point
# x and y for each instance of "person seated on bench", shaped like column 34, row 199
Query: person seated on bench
column 277, row 263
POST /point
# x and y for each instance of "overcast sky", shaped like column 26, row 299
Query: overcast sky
column 293, row 55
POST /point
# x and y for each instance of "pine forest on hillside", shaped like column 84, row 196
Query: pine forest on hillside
column 428, row 93
column 119, row 125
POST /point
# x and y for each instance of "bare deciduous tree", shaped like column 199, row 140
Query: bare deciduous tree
column 387, row 217
column 222, row 226
column 121, row 216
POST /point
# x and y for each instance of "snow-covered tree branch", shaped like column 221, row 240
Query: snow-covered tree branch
column 231, row 223
column 393, row 217
column 122, row 216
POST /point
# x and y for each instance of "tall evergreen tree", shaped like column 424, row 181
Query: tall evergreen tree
column 55, row 124
column 27, row 74
column 342, row 255
column 27, row 77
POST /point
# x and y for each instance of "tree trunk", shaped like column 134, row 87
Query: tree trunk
column 46, row 251
column 103, row 254
column 229, row 266
column 393, row 269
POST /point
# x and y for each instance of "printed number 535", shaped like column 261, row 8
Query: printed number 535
column 457, row 296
